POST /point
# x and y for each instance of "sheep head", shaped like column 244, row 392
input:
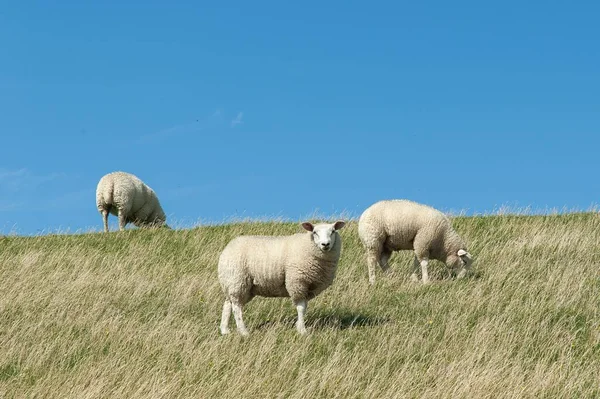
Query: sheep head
column 324, row 235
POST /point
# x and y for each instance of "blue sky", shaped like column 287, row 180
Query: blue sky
column 269, row 109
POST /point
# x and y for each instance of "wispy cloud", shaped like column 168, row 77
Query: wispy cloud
column 78, row 199
column 195, row 126
column 237, row 120
column 18, row 180
column 19, row 188
column 7, row 206
column 187, row 128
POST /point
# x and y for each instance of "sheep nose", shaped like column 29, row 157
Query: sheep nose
column 325, row 245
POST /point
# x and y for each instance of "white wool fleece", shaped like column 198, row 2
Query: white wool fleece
column 299, row 266
column 126, row 196
column 395, row 225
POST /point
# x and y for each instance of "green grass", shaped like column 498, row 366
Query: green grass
column 136, row 314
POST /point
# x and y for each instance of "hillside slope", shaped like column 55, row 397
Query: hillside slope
column 136, row 314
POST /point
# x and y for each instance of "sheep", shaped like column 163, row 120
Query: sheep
column 395, row 225
column 126, row 196
column 298, row 266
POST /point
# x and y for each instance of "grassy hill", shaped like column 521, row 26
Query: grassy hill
column 136, row 314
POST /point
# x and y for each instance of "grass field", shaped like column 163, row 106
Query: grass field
column 136, row 314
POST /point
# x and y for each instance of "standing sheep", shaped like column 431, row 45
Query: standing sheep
column 299, row 266
column 126, row 196
column 395, row 225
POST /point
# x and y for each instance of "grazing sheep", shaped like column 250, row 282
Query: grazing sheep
column 395, row 225
column 126, row 196
column 299, row 266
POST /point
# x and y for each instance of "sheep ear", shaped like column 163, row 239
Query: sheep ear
column 308, row 226
column 338, row 225
column 462, row 252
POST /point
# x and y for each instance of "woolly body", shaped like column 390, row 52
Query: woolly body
column 297, row 266
column 126, row 196
column 395, row 225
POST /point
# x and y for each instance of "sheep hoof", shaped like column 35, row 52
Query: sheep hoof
column 301, row 328
column 244, row 333
column 225, row 331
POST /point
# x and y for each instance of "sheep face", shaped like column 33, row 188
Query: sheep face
column 461, row 261
column 324, row 235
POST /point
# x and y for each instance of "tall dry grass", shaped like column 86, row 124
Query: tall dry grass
column 136, row 313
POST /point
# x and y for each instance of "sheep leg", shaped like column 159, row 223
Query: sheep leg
column 237, row 315
column 105, row 220
column 463, row 272
column 225, row 317
column 425, row 274
column 383, row 260
column 414, row 277
column 122, row 220
column 301, row 308
column 372, row 260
